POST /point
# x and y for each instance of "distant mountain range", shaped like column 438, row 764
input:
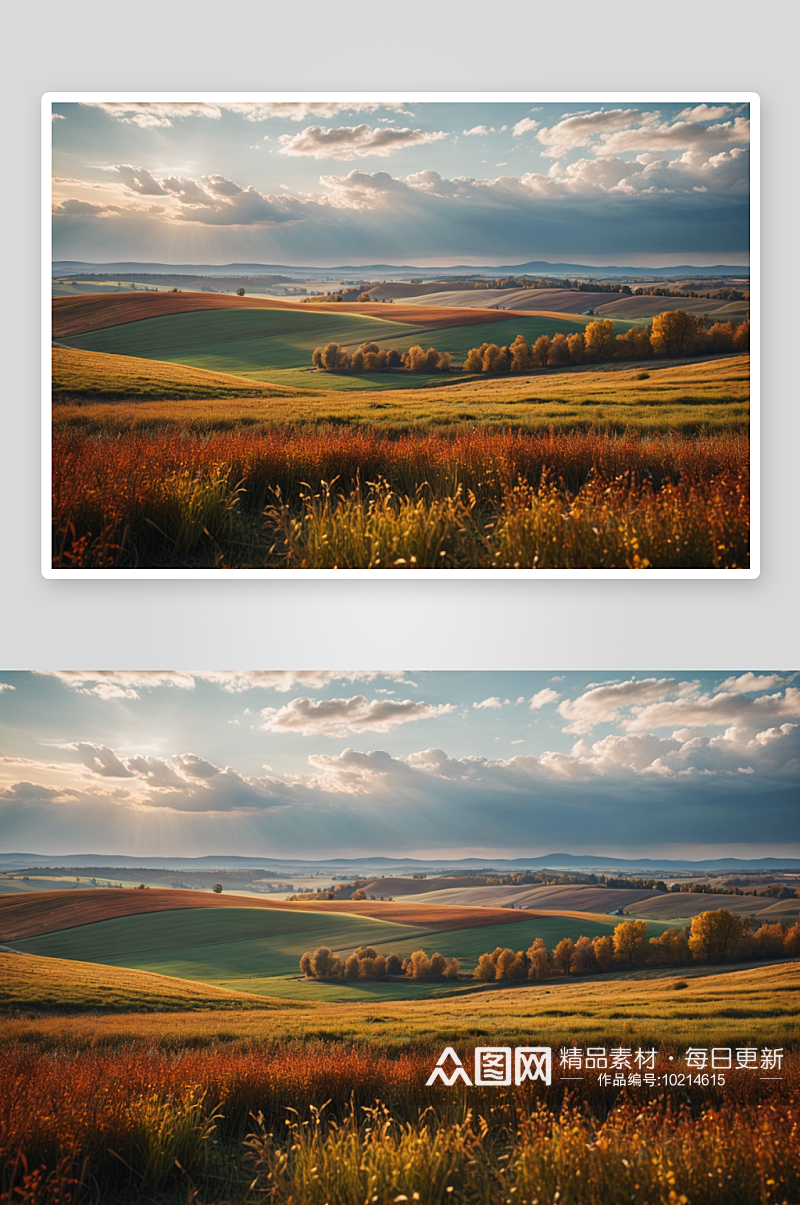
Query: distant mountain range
column 373, row 271
column 555, row 861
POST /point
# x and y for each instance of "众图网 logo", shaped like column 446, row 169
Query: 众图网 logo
column 495, row 1066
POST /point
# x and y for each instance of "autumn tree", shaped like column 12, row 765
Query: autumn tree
column 538, row 960
column 768, row 941
column 558, row 355
column 634, row 344
column 357, row 361
column 351, row 967
column 395, row 359
column 473, row 361
column 577, row 348
column 583, row 960
column 451, row 969
column 217, row 888
column 741, row 337
column 675, row 333
column 791, row 942
column 599, row 339
column 520, row 355
column 485, row 970
column 716, row 936
column 719, row 337
column 604, row 952
column 630, row 943
column 541, row 350
column 414, row 359
column 562, row 955
column 364, row 297
column 494, row 358
column 670, row 948
column 240, row 292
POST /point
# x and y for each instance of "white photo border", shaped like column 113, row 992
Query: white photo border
column 750, row 98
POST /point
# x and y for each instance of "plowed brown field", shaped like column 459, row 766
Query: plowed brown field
column 23, row 916
column 77, row 315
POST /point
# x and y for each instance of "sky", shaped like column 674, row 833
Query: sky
column 422, row 183
column 316, row 764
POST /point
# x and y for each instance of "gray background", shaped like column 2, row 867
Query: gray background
column 445, row 45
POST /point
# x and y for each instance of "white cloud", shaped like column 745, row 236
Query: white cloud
column 337, row 717
column 350, row 142
column 493, row 702
column 118, row 684
column 705, row 112
column 479, row 130
column 298, row 110
column 681, row 135
column 149, row 113
column 524, row 126
column 703, row 710
column 580, row 129
column 543, row 697
column 284, row 680
column 6, row 686
column 750, row 681
column 601, row 704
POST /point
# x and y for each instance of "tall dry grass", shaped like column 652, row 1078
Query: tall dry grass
column 352, row 498
column 327, row 1123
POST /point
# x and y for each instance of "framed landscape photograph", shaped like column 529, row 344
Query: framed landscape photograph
column 305, row 937
column 362, row 334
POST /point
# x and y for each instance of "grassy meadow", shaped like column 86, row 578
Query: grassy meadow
column 129, row 1086
column 275, row 345
column 258, row 950
column 202, row 437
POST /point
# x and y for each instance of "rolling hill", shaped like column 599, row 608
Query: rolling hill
column 79, row 314
column 59, row 985
column 656, row 905
column 89, row 375
column 276, row 345
column 29, row 915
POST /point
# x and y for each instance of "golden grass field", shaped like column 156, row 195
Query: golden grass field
column 127, row 1088
column 97, row 392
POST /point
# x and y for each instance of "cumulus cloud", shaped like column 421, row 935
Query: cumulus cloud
column 580, row 129
column 154, row 113
column 701, row 710
column 524, row 126
column 493, row 702
column 742, row 683
column 543, row 697
column 680, row 135
column 705, row 112
column 337, row 717
column 479, row 130
column 75, row 208
column 139, row 180
column 602, row 703
column 101, row 760
column 118, row 684
column 32, row 792
column 350, row 142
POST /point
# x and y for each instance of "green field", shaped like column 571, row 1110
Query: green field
column 276, row 345
column 250, row 950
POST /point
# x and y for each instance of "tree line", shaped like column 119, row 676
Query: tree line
column 712, row 937
column 367, row 963
column 369, row 357
column 673, row 334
